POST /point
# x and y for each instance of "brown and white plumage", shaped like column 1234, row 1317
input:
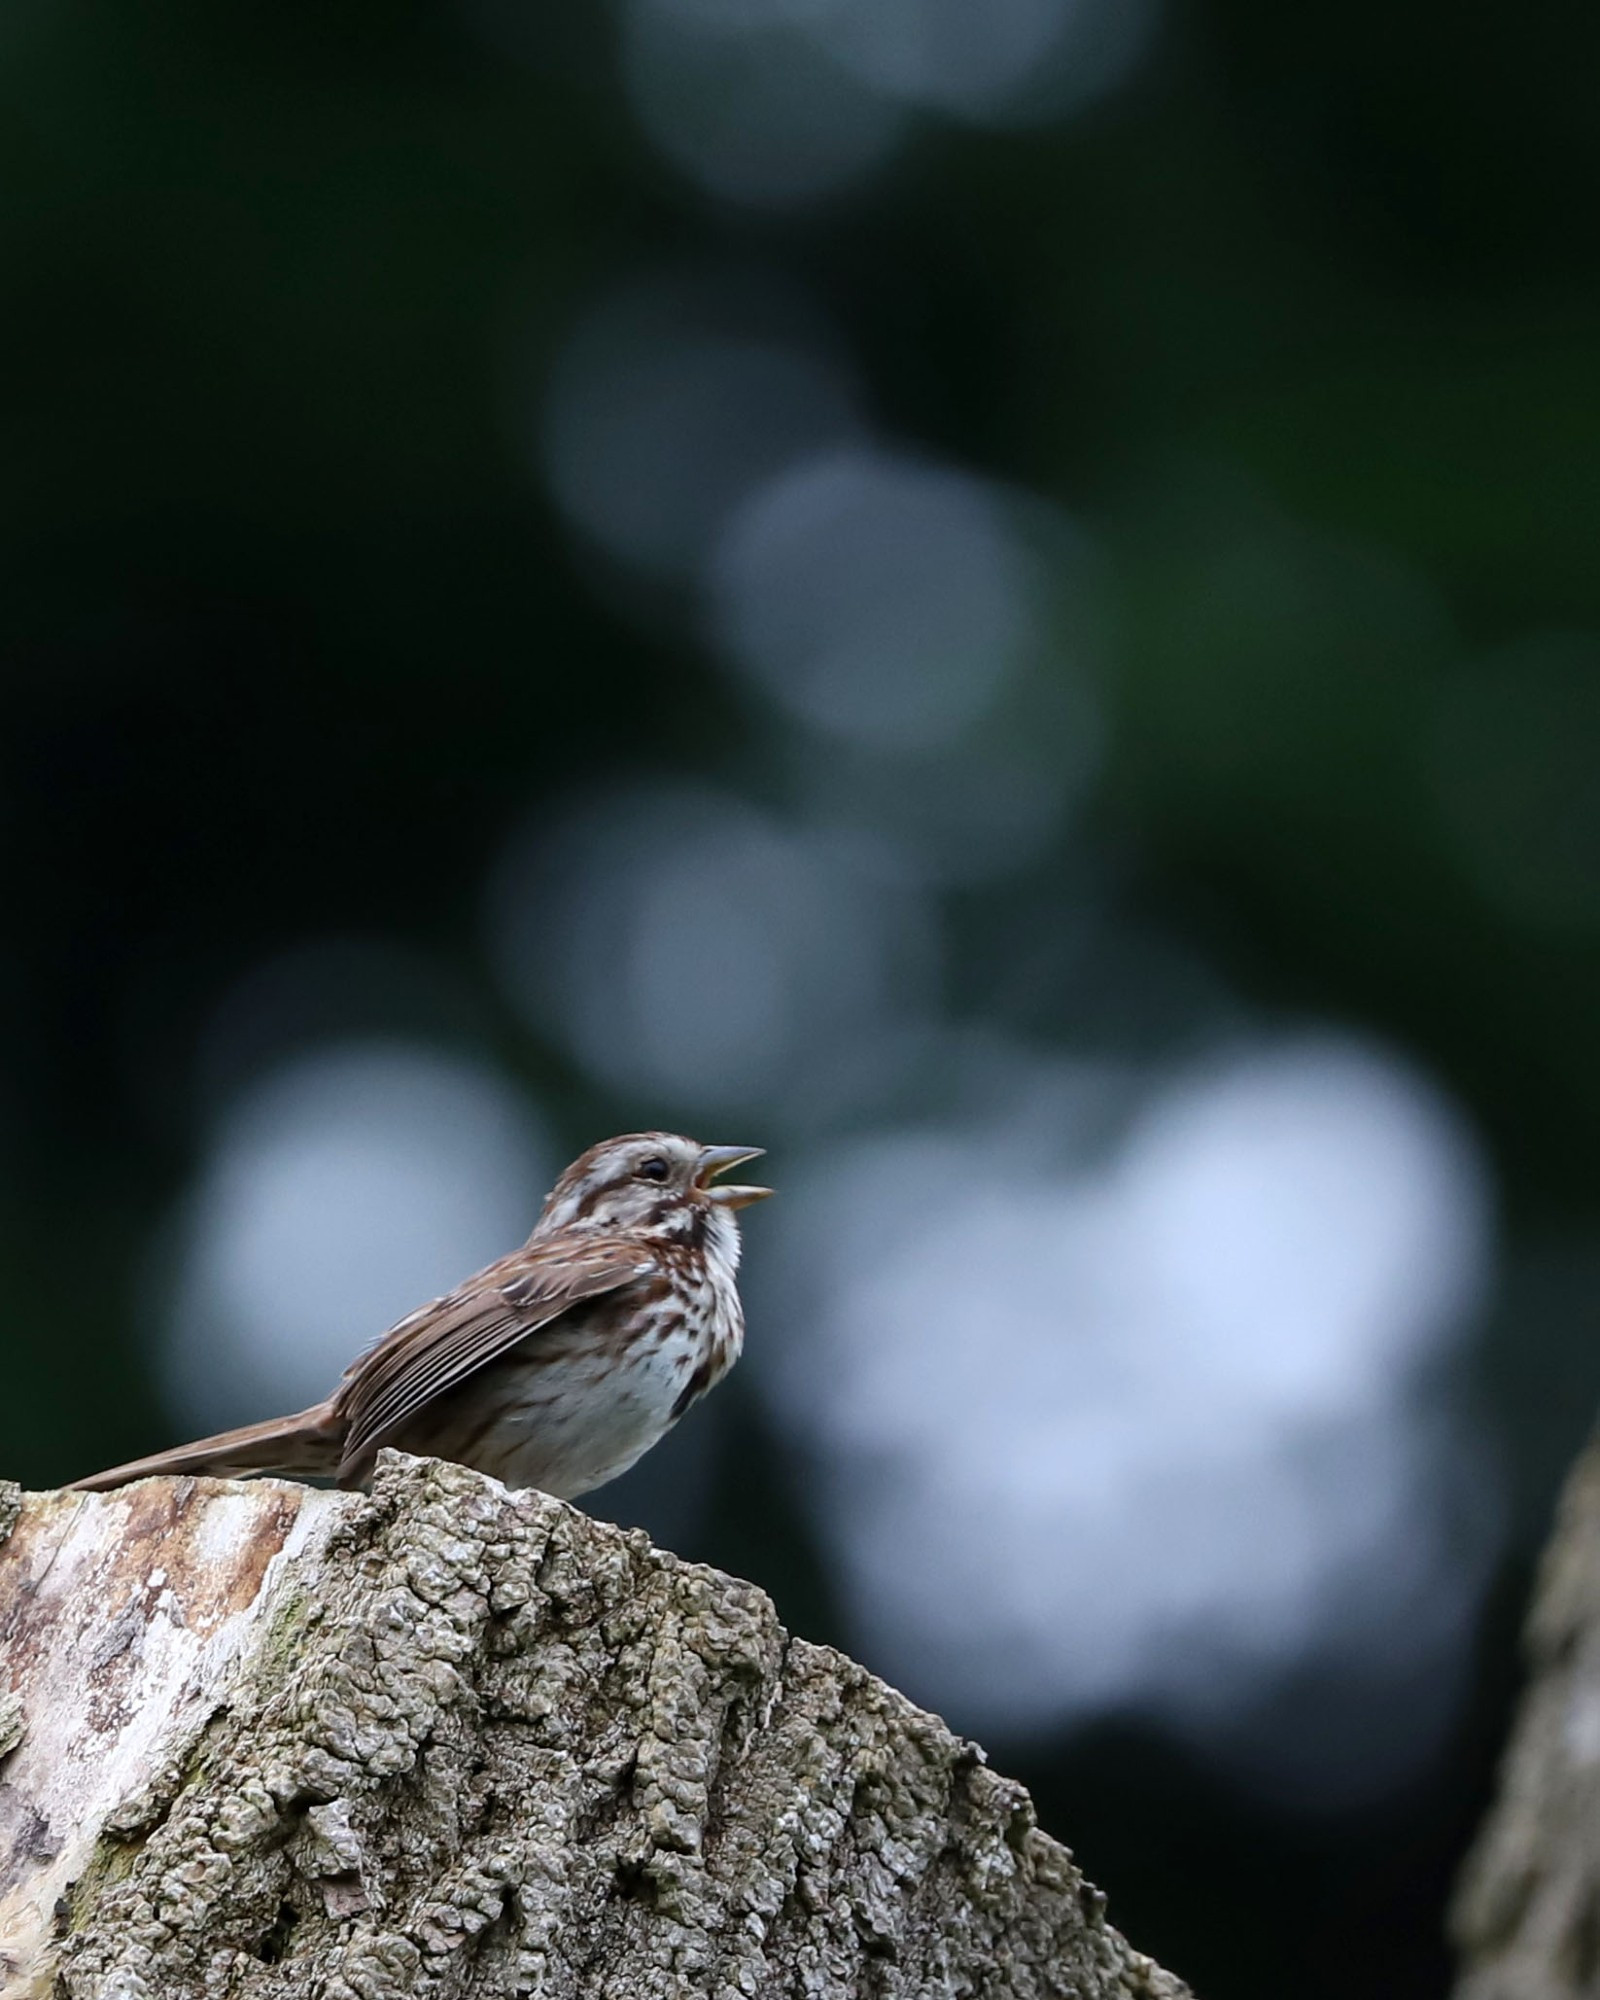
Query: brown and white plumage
column 557, row 1366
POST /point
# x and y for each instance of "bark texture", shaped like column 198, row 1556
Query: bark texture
column 1527, row 1915
column 450, row 1740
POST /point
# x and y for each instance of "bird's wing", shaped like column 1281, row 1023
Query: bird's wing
column 438, row 1346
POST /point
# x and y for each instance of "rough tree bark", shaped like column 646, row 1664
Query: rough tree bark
column 1527, row 1915
column 450, row 1740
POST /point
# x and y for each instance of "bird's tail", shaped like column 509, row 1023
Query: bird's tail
column 303, row 1447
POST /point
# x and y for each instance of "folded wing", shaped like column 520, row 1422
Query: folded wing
column 434, row 1349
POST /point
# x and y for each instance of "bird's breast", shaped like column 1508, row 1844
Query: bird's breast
column 586, row 1396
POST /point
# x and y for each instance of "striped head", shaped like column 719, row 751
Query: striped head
column 657, row 1182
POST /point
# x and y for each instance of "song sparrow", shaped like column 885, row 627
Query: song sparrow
column 557, row 1366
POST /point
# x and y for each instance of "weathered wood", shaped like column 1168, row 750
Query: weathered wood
column 450, row 1740
column 1527, row 1915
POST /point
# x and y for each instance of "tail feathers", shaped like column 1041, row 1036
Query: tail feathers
column 303, row 1447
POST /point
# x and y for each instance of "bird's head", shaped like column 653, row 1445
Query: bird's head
column 653, row 1181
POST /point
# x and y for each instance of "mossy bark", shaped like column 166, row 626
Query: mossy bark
column 450, row 1740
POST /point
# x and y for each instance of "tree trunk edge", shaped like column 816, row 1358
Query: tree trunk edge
column 1526, row 1915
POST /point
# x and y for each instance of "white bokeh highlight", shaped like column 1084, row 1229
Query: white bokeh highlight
column 1147, row 1432
column 673, row 396
column 947, row 55
column 969, row 814
column 879, row 598
column 343, row 1188
column 686, row 947
column 781, row 103
column 750, row 108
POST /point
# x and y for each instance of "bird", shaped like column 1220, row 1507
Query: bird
column 559, row 1365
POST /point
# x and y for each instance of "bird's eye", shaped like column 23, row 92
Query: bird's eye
column 654, row 1169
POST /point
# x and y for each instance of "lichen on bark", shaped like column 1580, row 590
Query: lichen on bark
column 471, row 1742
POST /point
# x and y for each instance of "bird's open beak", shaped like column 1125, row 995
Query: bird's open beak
column 716, row 1160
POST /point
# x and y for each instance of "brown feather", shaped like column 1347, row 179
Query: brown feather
column 434, row 1349
column 303, row 1446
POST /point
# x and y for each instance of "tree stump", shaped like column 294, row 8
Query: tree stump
column 258, row 1740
